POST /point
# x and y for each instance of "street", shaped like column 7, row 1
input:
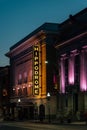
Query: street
column 39, row 126
column 11, row 128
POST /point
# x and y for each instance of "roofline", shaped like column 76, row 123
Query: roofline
column 72, row 39
column 39, row 29
column 77, row 14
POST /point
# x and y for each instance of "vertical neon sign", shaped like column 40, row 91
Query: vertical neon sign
column 36, row 69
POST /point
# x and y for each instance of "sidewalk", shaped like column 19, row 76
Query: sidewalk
column 33, row 125
column 58, row 123
column 79, row 123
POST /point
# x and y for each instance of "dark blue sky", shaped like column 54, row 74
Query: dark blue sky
column 18, row 18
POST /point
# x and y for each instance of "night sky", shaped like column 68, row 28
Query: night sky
column 18, row 18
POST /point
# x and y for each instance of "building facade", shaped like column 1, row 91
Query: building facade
column 72, row 53
column 33, row 73
column 48, row 71
column 4, row 91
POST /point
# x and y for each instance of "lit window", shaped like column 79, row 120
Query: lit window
column 20, row 79
column 25, row 77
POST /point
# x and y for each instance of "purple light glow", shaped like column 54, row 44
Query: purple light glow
column 83, row 70
column 71, row 76
column 54, row 79
column 62, row 79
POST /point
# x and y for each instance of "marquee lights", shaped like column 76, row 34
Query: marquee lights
column 36, row 69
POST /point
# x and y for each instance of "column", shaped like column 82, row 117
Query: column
column 71, row 69
column 83, row 71
column 62, row 75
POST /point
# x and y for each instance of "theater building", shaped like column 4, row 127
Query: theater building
column 33, row 80
column 48, row 71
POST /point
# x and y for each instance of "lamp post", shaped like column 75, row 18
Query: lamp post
column 20, row 114
column 19, row 100
column 48, row 98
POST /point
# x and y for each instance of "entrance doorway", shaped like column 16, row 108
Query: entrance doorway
column 41, row 112
column 31, row 112
column 75, row 102
column 28, row 113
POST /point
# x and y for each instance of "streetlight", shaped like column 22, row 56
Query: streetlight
column 48, row 98
column 46, row 62
column 19, row 110
column 19, row 100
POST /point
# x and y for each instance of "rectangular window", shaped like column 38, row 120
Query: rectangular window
column 25, row 77
column 20, row 79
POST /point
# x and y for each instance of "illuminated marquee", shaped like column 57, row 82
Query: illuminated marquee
column 36, row 70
